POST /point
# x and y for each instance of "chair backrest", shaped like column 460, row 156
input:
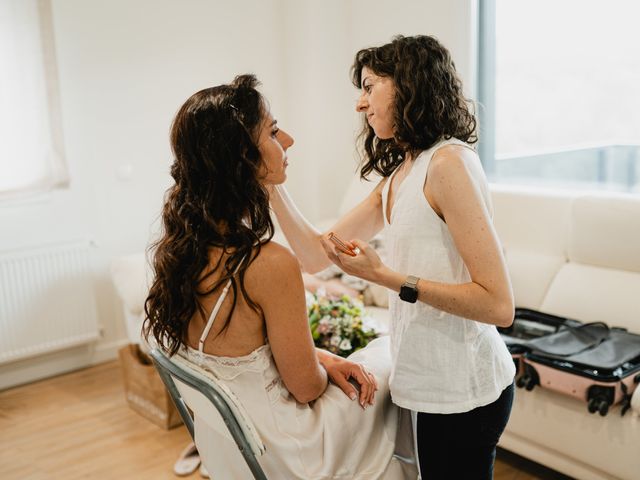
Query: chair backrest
column 188, row 384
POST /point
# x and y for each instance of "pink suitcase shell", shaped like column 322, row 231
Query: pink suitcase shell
column 603, row 373
column 599, row 394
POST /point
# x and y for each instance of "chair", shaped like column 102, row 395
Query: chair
column 195, row 389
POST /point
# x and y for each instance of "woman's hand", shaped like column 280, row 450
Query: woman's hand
column 366, row 264
column 344, row 373
column 331, row 249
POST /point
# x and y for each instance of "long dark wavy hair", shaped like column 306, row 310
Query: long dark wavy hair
column 429, row 102
column 217, row 200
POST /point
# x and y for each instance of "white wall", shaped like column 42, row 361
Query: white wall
column 322, row 39
column 125, row 67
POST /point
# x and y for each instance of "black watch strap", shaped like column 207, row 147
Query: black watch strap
column 409, row 289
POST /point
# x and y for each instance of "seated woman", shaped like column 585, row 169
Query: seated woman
column 232, row 301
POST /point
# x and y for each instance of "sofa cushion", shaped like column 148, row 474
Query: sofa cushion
column 605, row 231
column 531, row 220
column 588, row 293
column 130, row 277
column 532, row 226
column 531, row 275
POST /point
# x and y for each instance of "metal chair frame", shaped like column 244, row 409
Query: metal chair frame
column 168, row 370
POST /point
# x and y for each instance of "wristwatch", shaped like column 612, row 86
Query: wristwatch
column 409, row 289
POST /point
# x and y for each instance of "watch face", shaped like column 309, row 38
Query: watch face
column 408, row 294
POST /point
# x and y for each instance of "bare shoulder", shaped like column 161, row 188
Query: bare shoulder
column 450, row 179
column 276, row 258
column 274, row 267
column 452, row 160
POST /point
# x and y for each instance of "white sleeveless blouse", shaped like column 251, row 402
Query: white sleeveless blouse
column 442, row 363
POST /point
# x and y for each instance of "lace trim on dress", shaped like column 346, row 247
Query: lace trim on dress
column 230, row 367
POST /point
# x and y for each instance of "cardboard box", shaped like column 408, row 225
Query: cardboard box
column 144, row 390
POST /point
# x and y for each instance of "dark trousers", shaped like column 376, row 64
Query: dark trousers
column 462, row 446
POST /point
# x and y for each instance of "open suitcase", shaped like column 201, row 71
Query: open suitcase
column 529, row 325
column 592, row 362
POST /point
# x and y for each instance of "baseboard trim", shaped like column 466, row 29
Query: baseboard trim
column 57, row 363
column 107, row 352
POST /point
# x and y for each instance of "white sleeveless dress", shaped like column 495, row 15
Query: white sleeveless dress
column 331, row 438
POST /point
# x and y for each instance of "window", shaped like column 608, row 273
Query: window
column 560, row 102
column 31, row 154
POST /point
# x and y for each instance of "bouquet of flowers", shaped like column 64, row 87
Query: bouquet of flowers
column 337, row 324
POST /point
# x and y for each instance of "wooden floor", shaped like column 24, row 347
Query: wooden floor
column 78, row 426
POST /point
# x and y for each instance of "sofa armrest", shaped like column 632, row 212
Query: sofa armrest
column 130, row 278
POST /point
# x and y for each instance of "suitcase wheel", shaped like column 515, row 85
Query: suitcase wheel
column 600, row 399
column 529, row 383
column 603, row 407
column 528, row 379
column 598, row 404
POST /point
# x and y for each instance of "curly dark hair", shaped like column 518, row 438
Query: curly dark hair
column 429, row 102
column 217, row 200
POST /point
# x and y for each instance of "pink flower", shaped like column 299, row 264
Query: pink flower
column 323, row 327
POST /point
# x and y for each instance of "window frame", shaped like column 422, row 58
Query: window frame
column 486, row 83
column 58, row 177
column 610, row 165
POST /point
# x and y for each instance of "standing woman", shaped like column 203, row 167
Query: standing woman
column 447, row 277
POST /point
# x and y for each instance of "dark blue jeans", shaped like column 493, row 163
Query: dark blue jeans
column 462, row 446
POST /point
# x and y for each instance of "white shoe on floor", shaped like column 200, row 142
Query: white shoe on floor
column 187, row 462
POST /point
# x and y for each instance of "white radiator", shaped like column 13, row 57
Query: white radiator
column 47, row 301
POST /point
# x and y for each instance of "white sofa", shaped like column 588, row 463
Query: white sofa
column 578, row 256
column 569, row 254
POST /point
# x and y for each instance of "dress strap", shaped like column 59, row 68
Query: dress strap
column 215, row 310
